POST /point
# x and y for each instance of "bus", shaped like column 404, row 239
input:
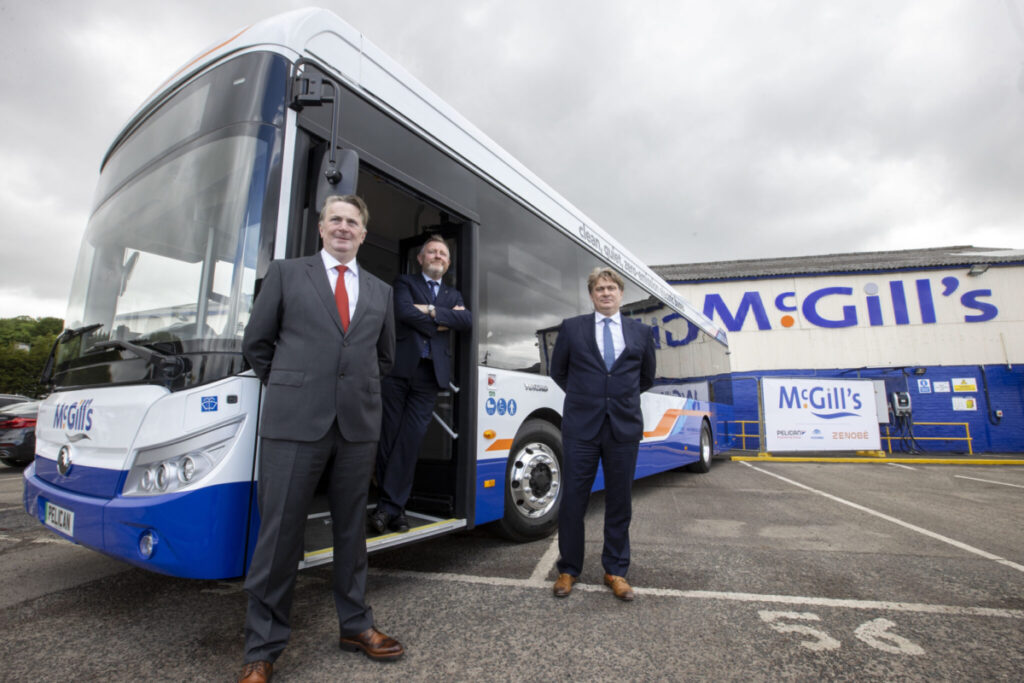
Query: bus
column 147, row 446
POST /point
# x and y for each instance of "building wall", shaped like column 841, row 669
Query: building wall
column 918, row 330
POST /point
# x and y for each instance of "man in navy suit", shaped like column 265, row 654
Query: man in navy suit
column 426, row 311
column 603, row 361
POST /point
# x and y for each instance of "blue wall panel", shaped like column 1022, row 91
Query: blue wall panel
column 999, row 387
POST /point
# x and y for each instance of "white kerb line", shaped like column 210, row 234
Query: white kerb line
column 931, row 534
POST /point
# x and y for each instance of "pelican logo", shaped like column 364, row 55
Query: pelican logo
column 64, row 461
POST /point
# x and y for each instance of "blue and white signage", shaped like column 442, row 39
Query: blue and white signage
column 816, row 414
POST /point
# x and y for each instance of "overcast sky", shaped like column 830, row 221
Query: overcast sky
column 691, row 130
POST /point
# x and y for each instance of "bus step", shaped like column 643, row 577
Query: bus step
column 319, row 549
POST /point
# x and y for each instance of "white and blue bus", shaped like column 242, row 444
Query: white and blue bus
column 147, row 447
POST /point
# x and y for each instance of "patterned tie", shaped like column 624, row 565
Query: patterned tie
column 341, row 296
column 433, row 290
column 609, row 346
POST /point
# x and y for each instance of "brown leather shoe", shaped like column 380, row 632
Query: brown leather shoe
column 374, row 644
column 619, row 587
column 563, row 585
column 256, row 672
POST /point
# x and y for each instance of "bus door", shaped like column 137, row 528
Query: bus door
column 400, row 220
column 436, row 487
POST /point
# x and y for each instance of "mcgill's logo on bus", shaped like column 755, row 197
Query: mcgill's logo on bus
column 75, row 416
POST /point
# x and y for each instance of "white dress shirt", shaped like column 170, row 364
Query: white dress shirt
column 351, row 279
column 618, row 341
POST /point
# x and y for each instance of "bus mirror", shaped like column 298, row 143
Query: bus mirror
column 337, row 176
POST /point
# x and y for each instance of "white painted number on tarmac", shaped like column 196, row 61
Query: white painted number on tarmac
column 875, row 633
column 822, row 641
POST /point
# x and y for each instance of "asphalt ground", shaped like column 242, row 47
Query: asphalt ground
column 755, row 571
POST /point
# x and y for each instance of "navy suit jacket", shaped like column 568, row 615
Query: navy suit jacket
column 591, row 390
column 413, row 327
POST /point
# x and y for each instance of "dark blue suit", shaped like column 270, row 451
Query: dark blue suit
column 423, row 361
column 601, row 422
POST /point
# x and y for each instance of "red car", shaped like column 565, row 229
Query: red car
column 18, row 433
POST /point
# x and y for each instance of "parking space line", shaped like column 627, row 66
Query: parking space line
column 989, row 481
column 546, row 562
column 889, row 518
column 883, row 605
column 906, row 467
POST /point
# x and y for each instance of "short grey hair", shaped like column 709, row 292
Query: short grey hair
column 604, row 273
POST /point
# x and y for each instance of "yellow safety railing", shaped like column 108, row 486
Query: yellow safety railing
column 743, row 436
column 966, row 427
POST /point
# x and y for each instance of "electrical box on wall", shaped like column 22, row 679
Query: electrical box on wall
column 881, row 405
column 900, row 403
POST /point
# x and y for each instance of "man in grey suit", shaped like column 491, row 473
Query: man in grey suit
column 320, row 337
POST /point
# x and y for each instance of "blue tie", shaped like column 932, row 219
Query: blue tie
column 609, row 346
column 433, row 290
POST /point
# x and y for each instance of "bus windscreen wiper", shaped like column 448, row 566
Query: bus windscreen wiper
column 46, row 377
column 165, row 366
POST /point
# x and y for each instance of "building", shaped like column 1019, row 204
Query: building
column 944, row 325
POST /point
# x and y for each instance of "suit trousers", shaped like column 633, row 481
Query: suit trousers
column 289, row 472
column 408, row 404
column 618, row 461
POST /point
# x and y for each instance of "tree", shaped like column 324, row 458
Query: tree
column 20, row 369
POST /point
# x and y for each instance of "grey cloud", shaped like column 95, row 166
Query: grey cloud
column 691, row 131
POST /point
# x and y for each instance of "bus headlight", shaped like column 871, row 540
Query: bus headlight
column 147, row 544
column 179, row 464
column 187, row 470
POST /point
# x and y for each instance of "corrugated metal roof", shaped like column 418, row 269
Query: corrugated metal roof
column 870, row 261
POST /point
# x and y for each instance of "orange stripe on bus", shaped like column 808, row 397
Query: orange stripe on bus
column 500, row 445
column 208, row 52
column 665, row 425
column 669, row 419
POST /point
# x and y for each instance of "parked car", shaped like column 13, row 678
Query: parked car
column 8, row 399
column 18, row 433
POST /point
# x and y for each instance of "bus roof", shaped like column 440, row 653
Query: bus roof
column 323, row 37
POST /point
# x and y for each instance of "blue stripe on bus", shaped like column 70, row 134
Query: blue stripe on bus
column 86, row 481
column 490, row 502
column 681, row 447
column 201, row 534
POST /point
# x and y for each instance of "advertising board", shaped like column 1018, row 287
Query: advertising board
column 817, row 414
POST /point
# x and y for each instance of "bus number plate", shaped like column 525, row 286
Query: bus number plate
column 60, row 519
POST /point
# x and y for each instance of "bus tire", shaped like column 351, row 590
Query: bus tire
column 703, row 465
column 533, row 479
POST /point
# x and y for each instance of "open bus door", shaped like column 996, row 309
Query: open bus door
column 441, row 497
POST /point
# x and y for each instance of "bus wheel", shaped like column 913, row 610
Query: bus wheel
column 533, row 479
column 704, row 464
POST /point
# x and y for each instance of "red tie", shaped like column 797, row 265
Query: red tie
column 341, row 296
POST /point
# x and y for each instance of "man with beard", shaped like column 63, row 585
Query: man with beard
column 426, row 310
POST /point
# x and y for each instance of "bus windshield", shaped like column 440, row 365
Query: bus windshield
column 169, row 257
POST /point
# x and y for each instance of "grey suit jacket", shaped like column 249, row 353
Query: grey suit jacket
column 314, row 372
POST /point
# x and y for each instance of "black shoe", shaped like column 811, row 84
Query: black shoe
column 399, row 524
column 378, row 522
